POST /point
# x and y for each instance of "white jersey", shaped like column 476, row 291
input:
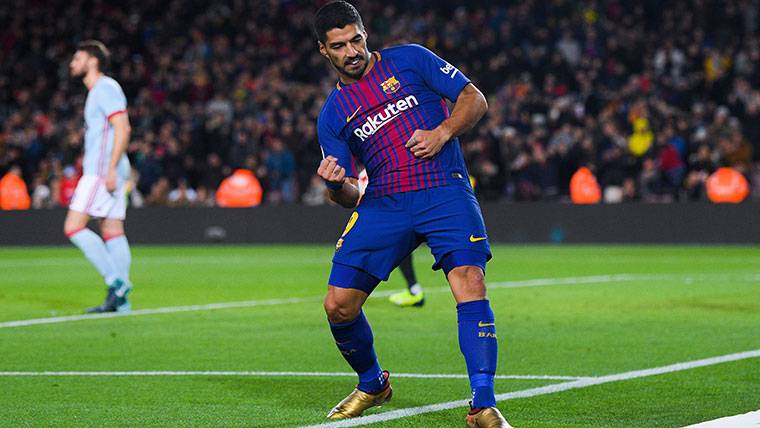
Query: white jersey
column 105, row 100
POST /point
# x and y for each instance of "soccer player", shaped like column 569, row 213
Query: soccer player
column 413, row 295
column 388, row 111
column 100, row 192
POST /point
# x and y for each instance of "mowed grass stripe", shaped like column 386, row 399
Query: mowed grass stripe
column 269, row 374
column 580, row 280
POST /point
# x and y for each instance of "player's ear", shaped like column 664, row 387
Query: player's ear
column 322, row 49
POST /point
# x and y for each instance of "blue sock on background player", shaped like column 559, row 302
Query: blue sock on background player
column 95, row 251
column 355, row 342
column 477, row 341
column 118, row 248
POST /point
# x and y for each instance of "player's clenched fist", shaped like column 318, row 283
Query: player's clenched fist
column 331, row 172
column 426, row 144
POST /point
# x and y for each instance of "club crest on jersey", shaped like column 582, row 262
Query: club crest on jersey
column 391, row 85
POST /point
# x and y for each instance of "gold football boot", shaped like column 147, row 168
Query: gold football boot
column 488, row 417
column 359, row 401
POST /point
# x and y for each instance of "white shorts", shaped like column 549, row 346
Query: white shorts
column 92, row 198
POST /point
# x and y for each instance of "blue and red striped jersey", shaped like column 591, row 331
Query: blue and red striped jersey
column 372, row 119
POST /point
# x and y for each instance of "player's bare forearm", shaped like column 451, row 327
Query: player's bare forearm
column 348, row 195
column 121, row 133
column 470, row 107
column 468, row 110
column 343, row 190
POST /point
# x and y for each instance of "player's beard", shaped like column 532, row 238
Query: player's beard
column 355, row 73
column 78, row 75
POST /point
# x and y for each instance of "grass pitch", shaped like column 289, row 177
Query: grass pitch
column 594, row 311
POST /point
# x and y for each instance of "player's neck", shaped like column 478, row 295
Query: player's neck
column 91, row 78
column 345, row 80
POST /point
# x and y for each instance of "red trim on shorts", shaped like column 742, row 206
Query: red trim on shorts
column 103, row 144
column 94, row 193
column 116, row 113
column 110, row 237
column 74, row 232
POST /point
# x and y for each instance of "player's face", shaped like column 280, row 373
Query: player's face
column 79, row 65
column 346, row 48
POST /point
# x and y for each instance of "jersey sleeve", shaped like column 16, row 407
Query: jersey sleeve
column 440, row 76
column 111, row 100
column 332, row 145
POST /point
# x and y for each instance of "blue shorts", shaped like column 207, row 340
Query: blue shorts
column 384, row 230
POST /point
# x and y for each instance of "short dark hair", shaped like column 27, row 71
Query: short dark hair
column 98, row 50
column 336, row 14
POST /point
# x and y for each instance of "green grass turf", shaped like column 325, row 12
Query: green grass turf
column 699, row 302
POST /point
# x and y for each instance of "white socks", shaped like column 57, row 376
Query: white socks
column 95, row 251
column 118, row 248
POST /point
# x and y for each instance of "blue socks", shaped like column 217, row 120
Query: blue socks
column 477, row 341
column 118, row 248
column 95, row 251
column 355, row 342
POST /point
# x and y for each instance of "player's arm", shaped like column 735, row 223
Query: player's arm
column 446, row 80
column 121, row 132
column 468, row 110
column 343, row 190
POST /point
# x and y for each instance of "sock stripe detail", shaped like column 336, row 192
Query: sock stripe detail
column 110, row 237
column 74, row 232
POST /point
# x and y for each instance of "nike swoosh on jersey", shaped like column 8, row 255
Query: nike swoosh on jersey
column 486, row 324
column 350, row 118
column 474, row 239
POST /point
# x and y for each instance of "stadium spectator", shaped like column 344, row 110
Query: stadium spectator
column 13, row 192
column 240, row 190
column 212, row 84
column 182, row 195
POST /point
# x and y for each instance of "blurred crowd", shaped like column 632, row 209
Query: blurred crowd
column 652, row 96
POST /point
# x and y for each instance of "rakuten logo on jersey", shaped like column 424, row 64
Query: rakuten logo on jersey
column 392, row 111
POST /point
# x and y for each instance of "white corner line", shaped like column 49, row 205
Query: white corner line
column 595, row 279
column 549, row 389
column 750, row 419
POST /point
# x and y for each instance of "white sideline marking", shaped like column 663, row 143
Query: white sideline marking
column 549, row 389
column 77, row 262
column 739, row 421
column 276, row 374
column 596, row 279
column 164, row 310
column 578, row 280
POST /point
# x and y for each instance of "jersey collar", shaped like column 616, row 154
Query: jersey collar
column 377, row 56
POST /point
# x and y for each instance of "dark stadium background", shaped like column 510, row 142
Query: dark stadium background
column 214, row 86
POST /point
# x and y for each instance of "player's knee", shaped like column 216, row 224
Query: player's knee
column 110, row 229
column 340, row 312
column 469, row 281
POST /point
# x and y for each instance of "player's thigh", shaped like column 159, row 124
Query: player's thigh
column 75, row 221
column 452, row 224
column 377, row 237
